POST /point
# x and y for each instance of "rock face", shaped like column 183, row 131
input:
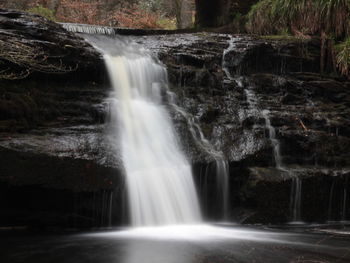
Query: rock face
column 52, row 110
column 263, row 93
column 40, row 45
column 282, row 127
column 36, row 54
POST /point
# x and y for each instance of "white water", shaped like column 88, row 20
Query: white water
column 274, row 141
column 161, row 190
column 232, row 44
column 221, row 164
column 222, row 173
column 344, row 204
column 295, row 199
column 296, row 184
column 88, row 29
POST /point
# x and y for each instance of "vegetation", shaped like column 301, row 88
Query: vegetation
column 43, row 11
column 122, row 13
column 343, row 57
column 301, row 17
column 26, row 58
column 328, row 19
column 260, row 20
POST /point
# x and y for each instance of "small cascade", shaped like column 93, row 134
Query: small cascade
column 345, row 200
column 343, row 215
column 221, row 164
column 231, row 47
column 338, row 200
column 295, row 199
column 105, row 216
column 252, row 101
column 274, row 141
column 296, row 186
column 330, row 202
column 253, row 108
column 222, row 173
column 110, row 209
column 88, row 29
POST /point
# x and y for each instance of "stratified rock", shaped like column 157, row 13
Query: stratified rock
column 61, row 120
column 31, row 43
column 308, row 111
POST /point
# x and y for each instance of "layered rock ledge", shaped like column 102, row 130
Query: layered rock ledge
column 53, row 143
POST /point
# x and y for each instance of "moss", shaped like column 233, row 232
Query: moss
column 43, row 11
column 167, row 23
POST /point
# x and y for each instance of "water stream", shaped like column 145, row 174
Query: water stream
column 221, row 164
column 275, row 142
column 296, row 184
column 330, row 202
column 343, row 216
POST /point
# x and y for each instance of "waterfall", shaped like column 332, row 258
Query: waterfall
column 337, row 203
column 88, row 29
column 274, row 141
column 295, row 199
column 221, row 164
column 222, row 173
column 231, row 46
column 252, row 102
column 330, row 202
column 344, row 204
column 159, row 180
column 110, row 209
column 296, row 185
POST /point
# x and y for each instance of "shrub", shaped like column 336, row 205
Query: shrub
column 42, row 11
column 343, row 57
column 304, row 17
column 134, row 17
column 259, row 19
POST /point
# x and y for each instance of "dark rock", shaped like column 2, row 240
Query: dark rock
column 41, row 46
column 55, row 129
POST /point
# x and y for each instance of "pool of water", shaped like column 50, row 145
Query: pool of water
column 181, row 244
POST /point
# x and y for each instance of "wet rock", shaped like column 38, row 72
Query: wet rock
column 41, row 46
column 57, row 127
column 307, row 110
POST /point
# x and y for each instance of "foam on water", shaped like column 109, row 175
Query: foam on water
column 194, row 233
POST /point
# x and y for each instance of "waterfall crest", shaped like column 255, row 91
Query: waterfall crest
column 161, row 190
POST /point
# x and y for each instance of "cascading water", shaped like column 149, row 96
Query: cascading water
column 330, row 202
column 295, row 193
column 296, row 185
column 295, row 199
column 160, row 186
column 343, row 216
column 88, row 29
column 252, row 102
column 222, row 173
column 231, row 46
column 337, row 203
column 221, row 164
column 274, row 141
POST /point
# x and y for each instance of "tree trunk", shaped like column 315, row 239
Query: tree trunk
column 186, row 14
column 54, row 5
